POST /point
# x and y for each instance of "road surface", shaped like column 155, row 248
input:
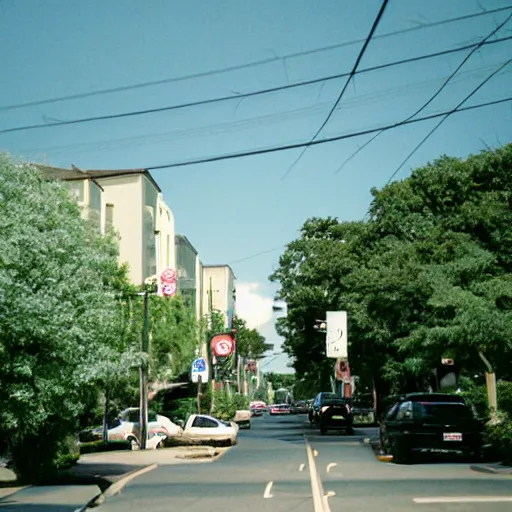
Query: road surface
column 269, row 470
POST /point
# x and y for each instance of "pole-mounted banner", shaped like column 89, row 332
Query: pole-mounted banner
column 336, row 338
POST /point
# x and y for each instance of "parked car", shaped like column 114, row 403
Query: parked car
column 277, row 409
column 201, row 428
column 430, row 423
column 125, row 428
column 299, row 407
column 362, row 412
column 243, row 418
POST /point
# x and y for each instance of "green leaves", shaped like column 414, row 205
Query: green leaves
column 429, row 271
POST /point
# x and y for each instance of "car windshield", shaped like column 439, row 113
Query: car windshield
column 444, row 412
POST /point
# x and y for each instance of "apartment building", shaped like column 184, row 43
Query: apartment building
column 130, row 202
column 189, row 271
column 85, row 189
column 219, row 291
column 135, row 208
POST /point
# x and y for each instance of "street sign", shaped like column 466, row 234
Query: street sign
column 222, row 345
column 336, row 338
column 199, row 370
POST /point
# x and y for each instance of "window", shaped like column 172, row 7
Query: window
column 404, row 411
column 202, row 422
column 391, row 414
column 109, row 216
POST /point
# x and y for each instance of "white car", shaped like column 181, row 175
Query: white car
column 204, row 428
column 126, row 426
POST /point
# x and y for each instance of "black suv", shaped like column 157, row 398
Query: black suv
column 430, row 423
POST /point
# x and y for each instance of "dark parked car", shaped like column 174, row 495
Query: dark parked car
column 430, row 423
column 299, row 407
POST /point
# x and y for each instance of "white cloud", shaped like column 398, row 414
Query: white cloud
column 253, row 307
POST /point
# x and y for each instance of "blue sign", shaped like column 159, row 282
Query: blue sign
column 199, row 365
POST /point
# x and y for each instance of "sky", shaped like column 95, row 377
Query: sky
column 242, row 211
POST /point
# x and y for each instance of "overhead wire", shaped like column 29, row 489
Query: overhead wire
column 435, row 95
column 369, row 37
column 446, row 116
column 248, row 123
column 238, row 67
column 286, row 147
column 260, row 92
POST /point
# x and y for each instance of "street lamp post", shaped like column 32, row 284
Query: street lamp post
column 143, row 374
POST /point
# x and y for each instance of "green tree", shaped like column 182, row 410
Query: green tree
column 58, row 315
column 427, row 275
column 250, row 343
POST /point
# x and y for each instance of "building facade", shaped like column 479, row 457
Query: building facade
column 130, row 202
column 189, row 279
column 219, row 291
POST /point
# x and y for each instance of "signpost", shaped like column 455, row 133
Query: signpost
column 199, row 375
column 336, row 339
column 200, row 370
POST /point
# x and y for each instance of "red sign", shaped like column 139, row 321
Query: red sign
column 168, row 281
column 222, row 345
column 342, row 370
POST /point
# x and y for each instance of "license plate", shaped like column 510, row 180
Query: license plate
column 338, row 417
column 452, row 436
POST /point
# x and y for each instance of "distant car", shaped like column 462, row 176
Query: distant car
column 299, row 407
column 315, row 409
column 430, row 423
column 279, row 409
column 258, row 408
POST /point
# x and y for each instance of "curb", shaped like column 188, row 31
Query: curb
column 492, row 470
column 9, row 491
column 116, row 487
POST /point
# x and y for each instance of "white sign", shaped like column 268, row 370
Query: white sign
column 336, row 337
column 200, row 369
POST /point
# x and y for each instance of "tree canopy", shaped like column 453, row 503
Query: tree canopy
column 426, row 275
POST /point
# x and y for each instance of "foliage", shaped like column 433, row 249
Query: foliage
column 499, row 435
column 250, row 343
column 226, row 405
column 427, row 275
column 175, row 336
column 280, row 380
column 58, row 315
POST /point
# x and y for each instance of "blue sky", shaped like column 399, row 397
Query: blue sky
column 235, row 209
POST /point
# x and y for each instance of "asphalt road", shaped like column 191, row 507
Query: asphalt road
column 269, row 471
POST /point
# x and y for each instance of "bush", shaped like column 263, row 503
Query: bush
column 226, row 405
column 100, row 446
column 499, row 436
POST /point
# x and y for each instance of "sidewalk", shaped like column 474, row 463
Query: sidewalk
column 94, row 473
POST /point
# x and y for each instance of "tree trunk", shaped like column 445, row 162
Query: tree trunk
column 105, row 418
column 490, row 381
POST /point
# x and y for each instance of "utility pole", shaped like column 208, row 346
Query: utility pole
column 143, row 375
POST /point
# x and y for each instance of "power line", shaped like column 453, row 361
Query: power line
column 435, row 95
column 258, row 121
column 268, row 251
column 344, row 88
column 297, row 145
column 446, row 116
column 239, row 67
column 245, row 95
